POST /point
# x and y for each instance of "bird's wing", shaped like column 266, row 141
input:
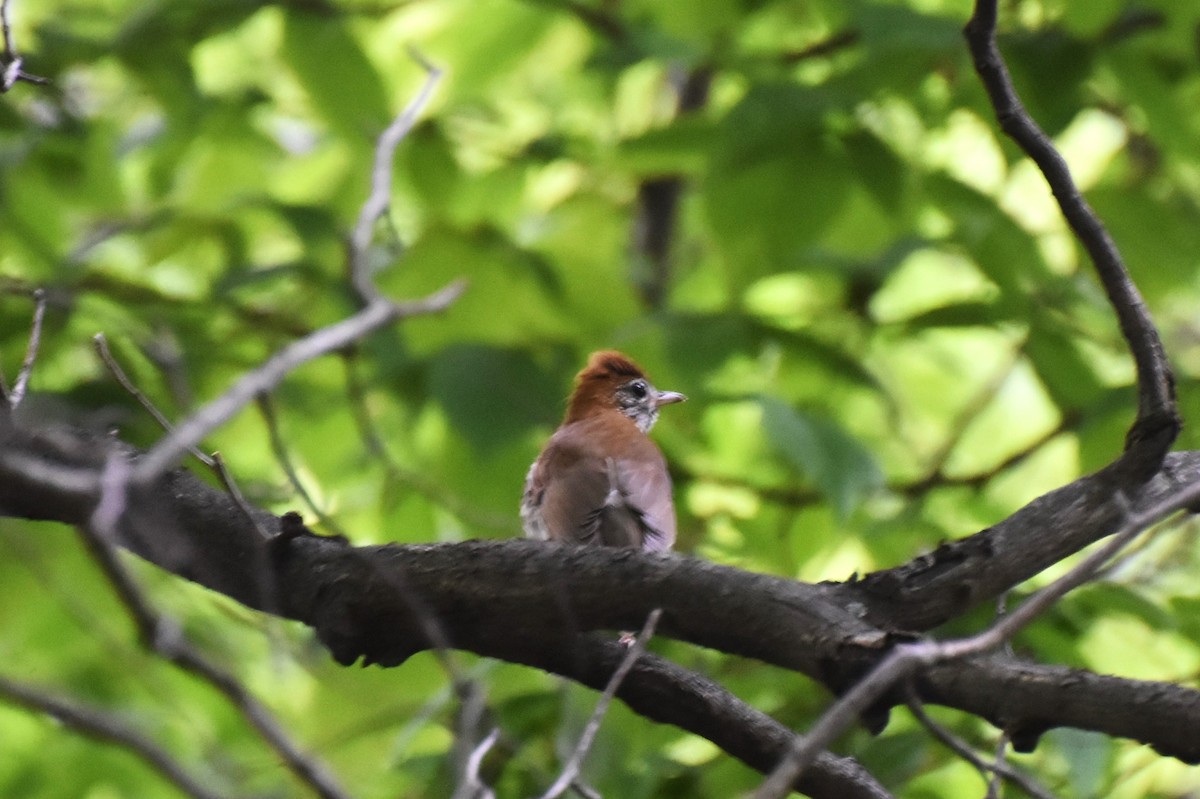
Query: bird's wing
column 646, row 486
column 577, row 492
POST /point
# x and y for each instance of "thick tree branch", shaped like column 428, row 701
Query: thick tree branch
column 360, row 599
column 1027, row 699
column 932, row 589
column 1158, row 421
column 164, row 637
column 198, row 532
column 909, row 658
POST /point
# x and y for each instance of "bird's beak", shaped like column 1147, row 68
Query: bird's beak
column 668, row 398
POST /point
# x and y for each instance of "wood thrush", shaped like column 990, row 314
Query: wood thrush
column 600, row 479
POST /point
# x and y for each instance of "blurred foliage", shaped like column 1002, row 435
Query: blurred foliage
column 888, row 336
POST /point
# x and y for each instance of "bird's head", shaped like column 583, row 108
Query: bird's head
column 612, row 381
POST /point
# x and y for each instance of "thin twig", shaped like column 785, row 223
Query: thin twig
column 101, row 726
column 967, row 753
column 11, row 60
column 585, row 790
column 575, row 762
column 806, row 497
column 976, row 405
column 380, row 196
column 838, row 41
column 267, row 408
column 907, row 658
column 239, row 499
column 336, row 336
column 1157, row 418
column 10, row 47
column 214, row 462
column 995, row 783
column 101, row 344
column 31, row 350
column 471, row 717
column 376, row 312
column 164, row 636
column 472, row 787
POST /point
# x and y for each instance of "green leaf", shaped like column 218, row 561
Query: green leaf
column 1062, row 368
column 1106, row 599
column 843, row 469
column 776, row 179
column 341, row 83
column 680, row 148
column 1088, row 755
column 1005, row 252
column 492, row 395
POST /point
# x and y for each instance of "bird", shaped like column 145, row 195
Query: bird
column 600, row 479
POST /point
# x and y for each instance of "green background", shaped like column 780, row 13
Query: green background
column 888, row 336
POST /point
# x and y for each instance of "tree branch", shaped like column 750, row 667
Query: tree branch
column 909, row 658
column 380, row 196
column 11, row 62
column 934, row 588
column 164, row 637
column 17, row 393
column 100, row 726
column 360, row 601
column 575, row 762
column 191, row 431
column 1158, row 422
column 996, row 767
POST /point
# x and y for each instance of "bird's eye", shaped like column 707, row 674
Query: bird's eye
column 638, row 389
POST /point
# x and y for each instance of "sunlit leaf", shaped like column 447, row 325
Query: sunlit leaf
column 843, row 469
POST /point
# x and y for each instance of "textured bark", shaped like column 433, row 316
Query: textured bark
column 385, row 603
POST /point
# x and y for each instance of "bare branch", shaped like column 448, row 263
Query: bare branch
column 996, row 767
column 10, row 47
column 11, row 62
column 214, row 462
column 573, row 765
column 376, row 312
column 192, row 430
column 35, row 336
column 380, row 196
column 226, row 477
column 477, row 588
column 1158, row 420
column 905, row 659
column 100, row 342
column 100, row 726
column 472, row 787
column 993, row 789
column 836, row 42
column 164, row 636
column 267, row 408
